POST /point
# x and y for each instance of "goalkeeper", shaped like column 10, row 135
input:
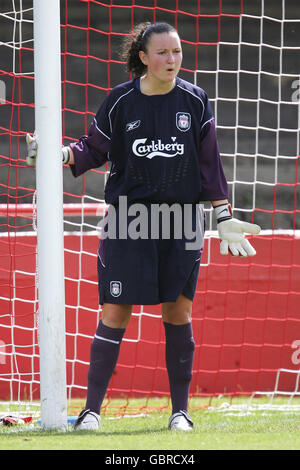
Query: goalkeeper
column 158, row 133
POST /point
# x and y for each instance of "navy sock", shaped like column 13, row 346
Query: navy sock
column 180, row 348
column 105, row 350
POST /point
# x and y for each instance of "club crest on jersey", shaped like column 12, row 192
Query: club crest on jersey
column 115, row 288
column 183, row 121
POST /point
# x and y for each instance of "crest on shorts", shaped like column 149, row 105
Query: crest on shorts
column 115, row 288
column 183, row 121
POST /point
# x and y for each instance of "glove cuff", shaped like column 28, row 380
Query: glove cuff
column 223, row 212
column 65, row 155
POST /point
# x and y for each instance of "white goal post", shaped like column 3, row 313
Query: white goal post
column 49, row 186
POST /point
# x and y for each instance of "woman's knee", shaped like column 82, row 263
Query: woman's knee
column 116, row 316
column 179, row 312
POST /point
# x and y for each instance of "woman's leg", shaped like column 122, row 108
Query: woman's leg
column 105, row 350
column 180, row 347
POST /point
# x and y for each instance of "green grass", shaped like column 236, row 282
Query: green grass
column 214, row 430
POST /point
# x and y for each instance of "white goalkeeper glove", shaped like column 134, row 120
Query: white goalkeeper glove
column 232, row 232
column 32, row 151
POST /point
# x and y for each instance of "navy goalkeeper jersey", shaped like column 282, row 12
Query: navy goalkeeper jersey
column 162, row 148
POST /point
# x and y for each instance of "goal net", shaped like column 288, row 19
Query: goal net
column 245, row 54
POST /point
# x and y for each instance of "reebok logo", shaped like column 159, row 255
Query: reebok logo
column 132, row 125
column 157, row 148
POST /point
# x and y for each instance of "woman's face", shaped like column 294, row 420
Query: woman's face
column 163, row 57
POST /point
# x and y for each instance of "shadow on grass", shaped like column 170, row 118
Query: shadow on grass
column 20, row 431
column 124, row 432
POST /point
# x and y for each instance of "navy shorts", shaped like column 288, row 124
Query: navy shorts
column 147, row 271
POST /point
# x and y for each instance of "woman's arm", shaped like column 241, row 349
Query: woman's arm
column 68, row 156
column 219, row 203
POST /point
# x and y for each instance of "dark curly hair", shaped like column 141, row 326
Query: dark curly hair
column 138, row 41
